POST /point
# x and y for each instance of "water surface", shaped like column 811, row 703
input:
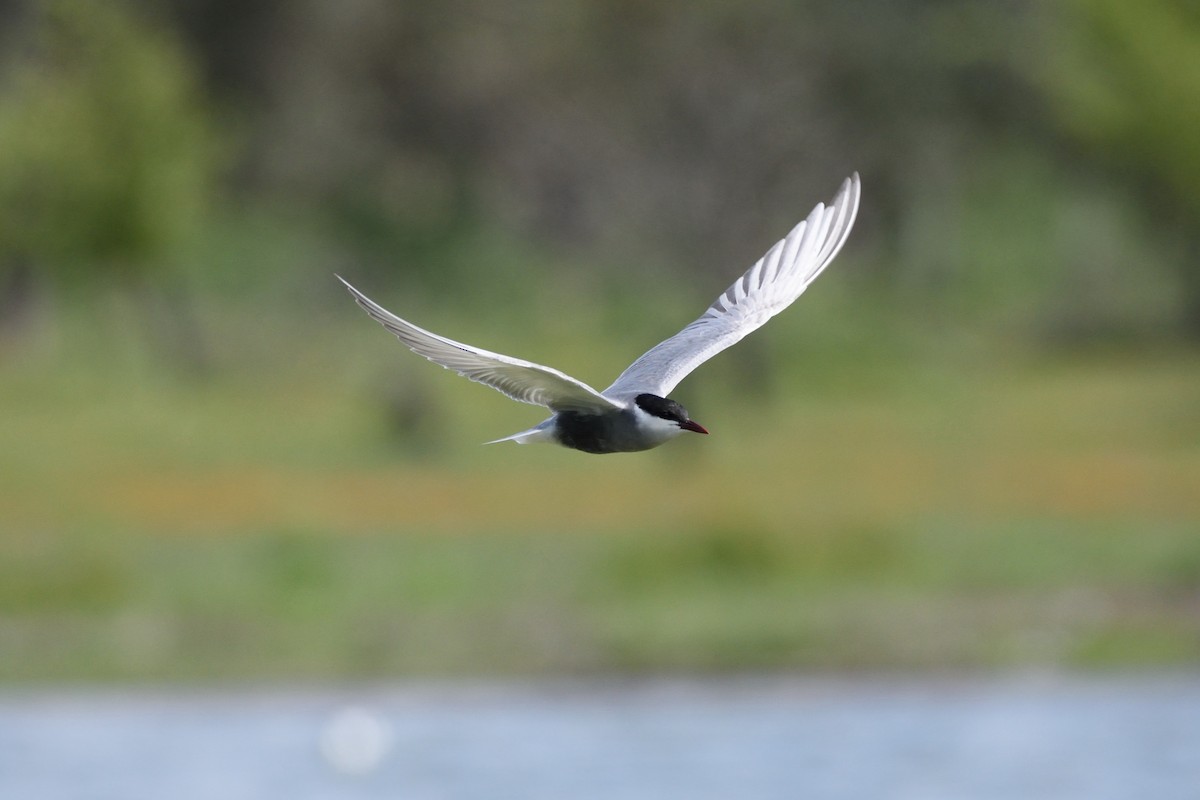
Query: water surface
column 1025, row 738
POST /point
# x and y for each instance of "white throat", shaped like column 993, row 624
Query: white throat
column 654, row 428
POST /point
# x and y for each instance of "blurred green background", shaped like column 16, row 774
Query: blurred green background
column 975, row 444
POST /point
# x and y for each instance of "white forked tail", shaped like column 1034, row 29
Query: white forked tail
column 538, row 433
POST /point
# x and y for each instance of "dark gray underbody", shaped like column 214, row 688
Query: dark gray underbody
column 615, row 432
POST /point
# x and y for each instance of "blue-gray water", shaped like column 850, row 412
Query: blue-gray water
column 1026, row 738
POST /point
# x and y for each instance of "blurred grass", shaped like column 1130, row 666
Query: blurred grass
column 868, row 509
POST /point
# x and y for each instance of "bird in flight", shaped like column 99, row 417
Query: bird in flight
column 634, row 413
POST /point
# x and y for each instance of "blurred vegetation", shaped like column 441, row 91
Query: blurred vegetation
column 107, row 161
column 1039, row 516
column 1124, row 82
column 976, row 443
column 109, row 156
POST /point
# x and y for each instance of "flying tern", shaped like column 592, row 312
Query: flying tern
column 634, row 413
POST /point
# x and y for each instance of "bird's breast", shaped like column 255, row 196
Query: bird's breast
column 615, row 432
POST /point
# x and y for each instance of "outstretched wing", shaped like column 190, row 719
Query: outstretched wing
column 520, row 380
column 767, row 288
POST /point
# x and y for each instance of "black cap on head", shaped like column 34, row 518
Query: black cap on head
column 662, row 407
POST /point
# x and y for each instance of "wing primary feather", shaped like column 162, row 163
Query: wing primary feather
column 791, row 246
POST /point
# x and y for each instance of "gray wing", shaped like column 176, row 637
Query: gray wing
column 767, row 288
column 520, row 380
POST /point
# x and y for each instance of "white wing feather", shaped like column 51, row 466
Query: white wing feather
column 767, row 288
column 520, row 380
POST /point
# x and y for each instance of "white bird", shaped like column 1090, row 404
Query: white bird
column 634, row 413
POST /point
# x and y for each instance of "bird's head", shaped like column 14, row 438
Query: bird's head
column 667, row 409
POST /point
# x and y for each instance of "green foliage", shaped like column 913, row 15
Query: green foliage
column 107, row 156
column 484, row 149
column 1125, row 78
